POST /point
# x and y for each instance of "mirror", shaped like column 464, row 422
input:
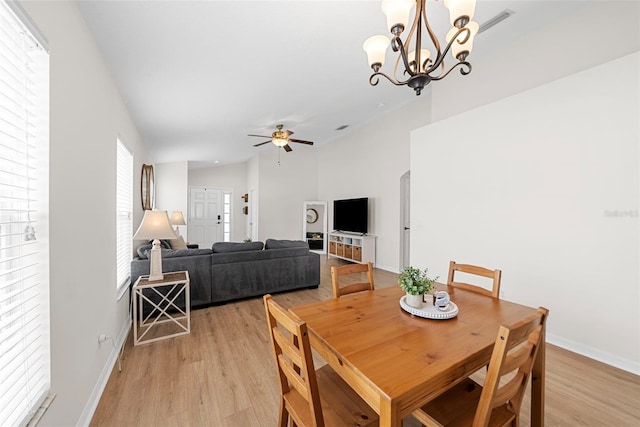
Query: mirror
column 147, row 187
column 314, row 225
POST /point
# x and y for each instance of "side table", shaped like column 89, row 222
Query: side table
column 165, row 318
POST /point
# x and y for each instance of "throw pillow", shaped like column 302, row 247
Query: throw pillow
column 142, row 250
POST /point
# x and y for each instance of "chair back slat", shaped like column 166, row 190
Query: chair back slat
column 290, row 342
column 510, row 355
column 357, row 285
column 494, row 275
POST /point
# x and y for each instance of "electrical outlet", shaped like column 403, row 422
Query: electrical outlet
column 102, row 338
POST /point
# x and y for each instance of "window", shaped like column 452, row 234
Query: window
column 124, row 226
column 25, row 375
column 226, row 217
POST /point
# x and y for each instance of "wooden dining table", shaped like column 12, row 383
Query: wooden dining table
column 397, row 361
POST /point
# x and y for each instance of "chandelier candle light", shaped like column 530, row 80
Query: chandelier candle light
column 419, row 67
column 155, row 225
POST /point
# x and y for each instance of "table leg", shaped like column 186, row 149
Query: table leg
column 389, row 414
column 538, row 383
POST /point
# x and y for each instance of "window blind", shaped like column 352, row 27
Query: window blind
column 124, row 206
column 24, row 246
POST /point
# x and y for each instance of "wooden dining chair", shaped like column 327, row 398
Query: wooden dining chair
column 351, row 269
column 309, row 397
column 497, row 403
column 477, row 271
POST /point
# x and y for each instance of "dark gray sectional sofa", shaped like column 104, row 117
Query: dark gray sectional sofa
column 230, row 271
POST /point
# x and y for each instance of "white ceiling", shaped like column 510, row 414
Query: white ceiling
column 198, row 76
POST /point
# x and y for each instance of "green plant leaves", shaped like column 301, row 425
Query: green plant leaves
column 415, row 281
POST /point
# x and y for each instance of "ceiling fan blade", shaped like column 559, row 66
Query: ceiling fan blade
column 262, row 143
column 287, row 148
column 301, row 141
column 261, row 136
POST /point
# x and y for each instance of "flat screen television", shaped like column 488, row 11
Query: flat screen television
column 351, row 215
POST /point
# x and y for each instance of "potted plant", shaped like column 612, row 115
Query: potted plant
column 415, row 283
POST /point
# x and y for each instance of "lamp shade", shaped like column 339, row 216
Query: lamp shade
column 460, row 9
column 155, row 225
column 376, row 48
column 397, row 12
column 177, row 218
column 465, row 48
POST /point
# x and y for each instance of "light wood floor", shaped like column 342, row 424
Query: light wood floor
column 222, row 374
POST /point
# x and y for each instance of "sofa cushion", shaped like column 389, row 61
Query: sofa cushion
column 282, row 244
column 220, row 247
column 234, row 257
column 144, row 251
column 175, row 253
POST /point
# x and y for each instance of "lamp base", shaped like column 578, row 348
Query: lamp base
column 155, row 262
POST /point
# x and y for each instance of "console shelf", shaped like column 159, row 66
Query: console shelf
column 352, row 247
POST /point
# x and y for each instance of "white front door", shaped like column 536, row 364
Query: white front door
column 205, row 216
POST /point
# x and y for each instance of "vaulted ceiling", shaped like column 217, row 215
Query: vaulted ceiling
column 198, row 76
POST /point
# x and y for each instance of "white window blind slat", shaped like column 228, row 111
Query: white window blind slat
column 124, row 206
column 24, row 247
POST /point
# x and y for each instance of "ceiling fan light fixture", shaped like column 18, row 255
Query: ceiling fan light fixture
column 279, row 142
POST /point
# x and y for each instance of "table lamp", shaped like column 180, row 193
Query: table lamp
column 155, row 225
column 177, row 219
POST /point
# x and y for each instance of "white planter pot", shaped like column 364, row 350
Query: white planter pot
column 414, row 301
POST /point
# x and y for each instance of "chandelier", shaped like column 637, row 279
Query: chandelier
column 416, row 64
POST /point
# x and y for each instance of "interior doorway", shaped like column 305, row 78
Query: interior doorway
column 405, row 220
column 314, row 225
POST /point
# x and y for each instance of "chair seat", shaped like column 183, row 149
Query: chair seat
column 457, row 407
column 341, row 406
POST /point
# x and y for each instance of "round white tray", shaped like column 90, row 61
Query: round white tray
column 429, row 311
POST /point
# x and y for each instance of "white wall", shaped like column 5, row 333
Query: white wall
column 595, row 32
column 546, row 188
column 87, row 115
column 368, row 162
column 286, row 181
column 172, row 190
column 228, row 177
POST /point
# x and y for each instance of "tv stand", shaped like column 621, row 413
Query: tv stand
column 353, row 247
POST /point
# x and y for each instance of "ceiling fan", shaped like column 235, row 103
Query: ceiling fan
column 280, row 138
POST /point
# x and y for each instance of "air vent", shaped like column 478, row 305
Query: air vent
column 495, row 20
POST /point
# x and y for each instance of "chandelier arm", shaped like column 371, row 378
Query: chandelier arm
column 432, row 36
column 465, row 68
column 375, row 76
column 440, row 58
column 405, row 61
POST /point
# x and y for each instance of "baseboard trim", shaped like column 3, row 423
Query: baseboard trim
column 596, row 354
column 98, row 389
